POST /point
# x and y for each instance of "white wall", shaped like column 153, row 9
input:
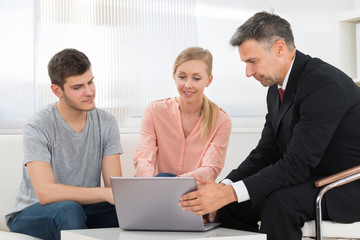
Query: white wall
column 240, row 145
column 356, row 3
column 358, row 49
column 315, row 28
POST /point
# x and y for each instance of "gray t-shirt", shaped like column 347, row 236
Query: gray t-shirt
column 75, row 158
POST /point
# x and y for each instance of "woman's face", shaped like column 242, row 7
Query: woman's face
column 191, row 78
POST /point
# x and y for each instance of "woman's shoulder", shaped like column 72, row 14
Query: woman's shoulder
column 223, row 113
column 162, row 103
column 223, row 116
column 169, row 100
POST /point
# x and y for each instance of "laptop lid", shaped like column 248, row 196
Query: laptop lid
column 152, row 204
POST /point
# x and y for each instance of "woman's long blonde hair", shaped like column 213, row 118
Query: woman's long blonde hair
column 210, row 109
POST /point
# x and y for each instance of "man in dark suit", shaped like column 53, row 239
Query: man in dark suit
column 311, row 131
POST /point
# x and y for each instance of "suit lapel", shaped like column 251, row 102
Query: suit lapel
column 287, row 102
column 274, row 103
column 290, row 91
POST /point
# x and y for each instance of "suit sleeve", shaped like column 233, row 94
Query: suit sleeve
column 321, row 105
column 265, row 153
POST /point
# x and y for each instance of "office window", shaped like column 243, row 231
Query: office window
column 131, row 44
column 17, row 89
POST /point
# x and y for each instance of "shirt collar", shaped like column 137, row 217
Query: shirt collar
column 287, row 76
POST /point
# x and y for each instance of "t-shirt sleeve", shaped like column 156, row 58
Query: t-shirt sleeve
column 112, row 143
column 35, row 144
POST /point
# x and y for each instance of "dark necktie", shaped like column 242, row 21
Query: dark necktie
column 281, row 91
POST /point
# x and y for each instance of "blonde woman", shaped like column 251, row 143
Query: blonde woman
column 186, row 135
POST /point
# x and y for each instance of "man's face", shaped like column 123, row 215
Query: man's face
column 79, row 92
column 262, row 64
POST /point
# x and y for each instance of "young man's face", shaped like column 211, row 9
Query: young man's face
column 79, row 91
column 262, row 64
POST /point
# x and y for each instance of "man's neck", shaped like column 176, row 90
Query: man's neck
column 287, row 66
column 76, row 119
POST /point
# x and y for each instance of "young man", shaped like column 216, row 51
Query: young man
column 67, row 146
column 310, row 132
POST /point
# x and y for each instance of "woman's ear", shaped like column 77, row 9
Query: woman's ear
column 210, row 81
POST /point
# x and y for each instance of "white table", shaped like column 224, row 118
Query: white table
column 117, row 233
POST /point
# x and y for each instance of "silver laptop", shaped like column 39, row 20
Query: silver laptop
column 152, row 204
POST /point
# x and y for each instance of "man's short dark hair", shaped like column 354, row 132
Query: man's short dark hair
column 66, row 63
column 266, row 28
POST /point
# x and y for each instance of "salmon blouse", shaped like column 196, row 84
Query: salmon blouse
column 164, row 148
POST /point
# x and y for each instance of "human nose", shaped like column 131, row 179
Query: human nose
column 249, row 71
column 188, row 83
column 89, row 90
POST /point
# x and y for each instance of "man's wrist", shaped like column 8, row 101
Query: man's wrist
column 227, row 181
column 230, row 194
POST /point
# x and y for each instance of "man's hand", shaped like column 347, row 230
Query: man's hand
column 212, row 216
column 209, row 197
column 209, row 218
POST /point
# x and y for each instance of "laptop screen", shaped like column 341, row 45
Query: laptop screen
column 152, row 203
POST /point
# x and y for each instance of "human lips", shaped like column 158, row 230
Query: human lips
column 89, row 100
column 258, row 78
column 188, row 93
column 261, row 79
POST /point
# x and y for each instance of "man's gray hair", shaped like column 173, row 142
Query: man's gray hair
column 266, row 28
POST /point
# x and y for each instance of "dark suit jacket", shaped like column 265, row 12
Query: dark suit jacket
column 314, row 132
